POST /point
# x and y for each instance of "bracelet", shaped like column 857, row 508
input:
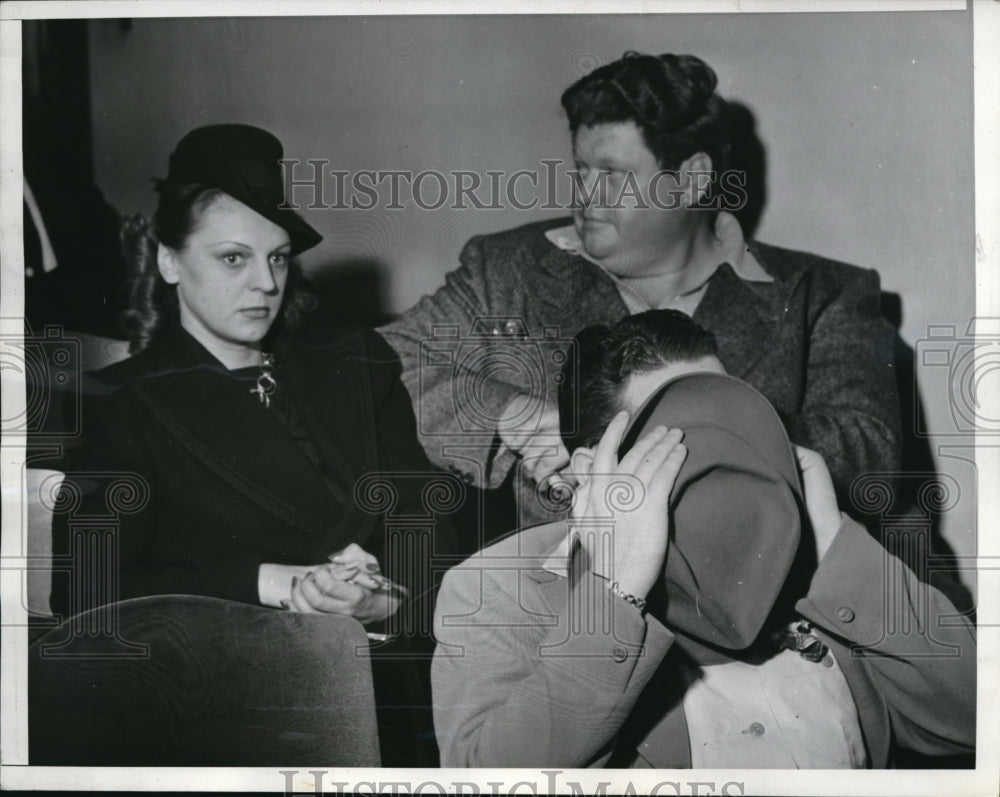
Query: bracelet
column 639, row 603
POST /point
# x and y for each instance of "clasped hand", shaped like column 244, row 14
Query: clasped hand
column 350, row 583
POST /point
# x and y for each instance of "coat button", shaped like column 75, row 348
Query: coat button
column 756, row 729
column 845, row 614
column 619, row 653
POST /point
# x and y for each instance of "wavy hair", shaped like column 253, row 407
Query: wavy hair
column 151, row 302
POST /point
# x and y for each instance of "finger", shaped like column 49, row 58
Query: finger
column 328, row 579
column 642, row 450
column 662, row 484
column 569, row 476
column 350, row 553
column 390, row 587
column 371, row 581
column 666, row 476
column 324, row 585
column 355, row 554
column 558, row 488
column 606, row 453
column 803, row 455
column 547, row 466
column 343, row 572
column 813, row 466
column 808, row 459
column 346, row 600
column 298, row 600
column 656, row 455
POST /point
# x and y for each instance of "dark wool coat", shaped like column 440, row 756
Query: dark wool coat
column 198, row 483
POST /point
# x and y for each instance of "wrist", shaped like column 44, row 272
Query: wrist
column 633, row 600
column 274, row 582
column 634, row 577
column 620, row 580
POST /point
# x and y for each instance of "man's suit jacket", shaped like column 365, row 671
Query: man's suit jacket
column 534, row 669
column 812, row 341
column 200, row 483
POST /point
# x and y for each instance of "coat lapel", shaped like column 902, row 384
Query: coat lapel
column 212, row 415
column 330, row 387
column 745, row 317
column 563, row 274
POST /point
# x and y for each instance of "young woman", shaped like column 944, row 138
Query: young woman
column 253, row 456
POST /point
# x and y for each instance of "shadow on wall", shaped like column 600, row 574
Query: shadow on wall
column 920, row 536
column 749, row 157
column 351, row 293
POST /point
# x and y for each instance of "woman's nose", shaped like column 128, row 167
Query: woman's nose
column 262, row 277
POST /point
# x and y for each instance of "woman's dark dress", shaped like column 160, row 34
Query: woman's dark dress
column 200, row 483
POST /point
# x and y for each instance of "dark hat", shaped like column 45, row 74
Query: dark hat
column 735, row 509
column 243, row 161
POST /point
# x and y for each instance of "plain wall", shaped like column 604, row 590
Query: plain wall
column 866, row 120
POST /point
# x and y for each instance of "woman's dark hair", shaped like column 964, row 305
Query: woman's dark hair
column 607, row 355
column 151, row 302
column 670, row 98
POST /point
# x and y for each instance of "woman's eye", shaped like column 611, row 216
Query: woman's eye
column 280, row 259
column 232, row 259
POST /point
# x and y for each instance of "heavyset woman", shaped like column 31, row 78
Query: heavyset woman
column 245, row 439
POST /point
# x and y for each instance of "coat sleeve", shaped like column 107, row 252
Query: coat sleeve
column 850, row 408
column 514, row 687
column 918, row 651
column 440, row 385
column 104, row 525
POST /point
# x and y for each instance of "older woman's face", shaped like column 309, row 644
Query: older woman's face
column 230, row 277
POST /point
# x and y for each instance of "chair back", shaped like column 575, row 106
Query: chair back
column 196, row 681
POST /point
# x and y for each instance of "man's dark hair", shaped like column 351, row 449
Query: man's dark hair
column 670, row 98
column 608, row 354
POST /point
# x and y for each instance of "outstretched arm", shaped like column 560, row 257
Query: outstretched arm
column 443, row 385
column 918, row 650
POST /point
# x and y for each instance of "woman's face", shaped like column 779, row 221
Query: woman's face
column 230, row 278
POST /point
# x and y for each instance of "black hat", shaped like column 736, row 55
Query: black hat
column 243, row 161
column 736, row 510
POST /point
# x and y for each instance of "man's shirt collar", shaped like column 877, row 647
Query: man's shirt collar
column 733, row 250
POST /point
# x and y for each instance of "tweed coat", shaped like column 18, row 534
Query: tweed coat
column 220, row 486
column 812, row 341
column 519, row 680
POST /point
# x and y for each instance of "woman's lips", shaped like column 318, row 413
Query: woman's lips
column 256, row 312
